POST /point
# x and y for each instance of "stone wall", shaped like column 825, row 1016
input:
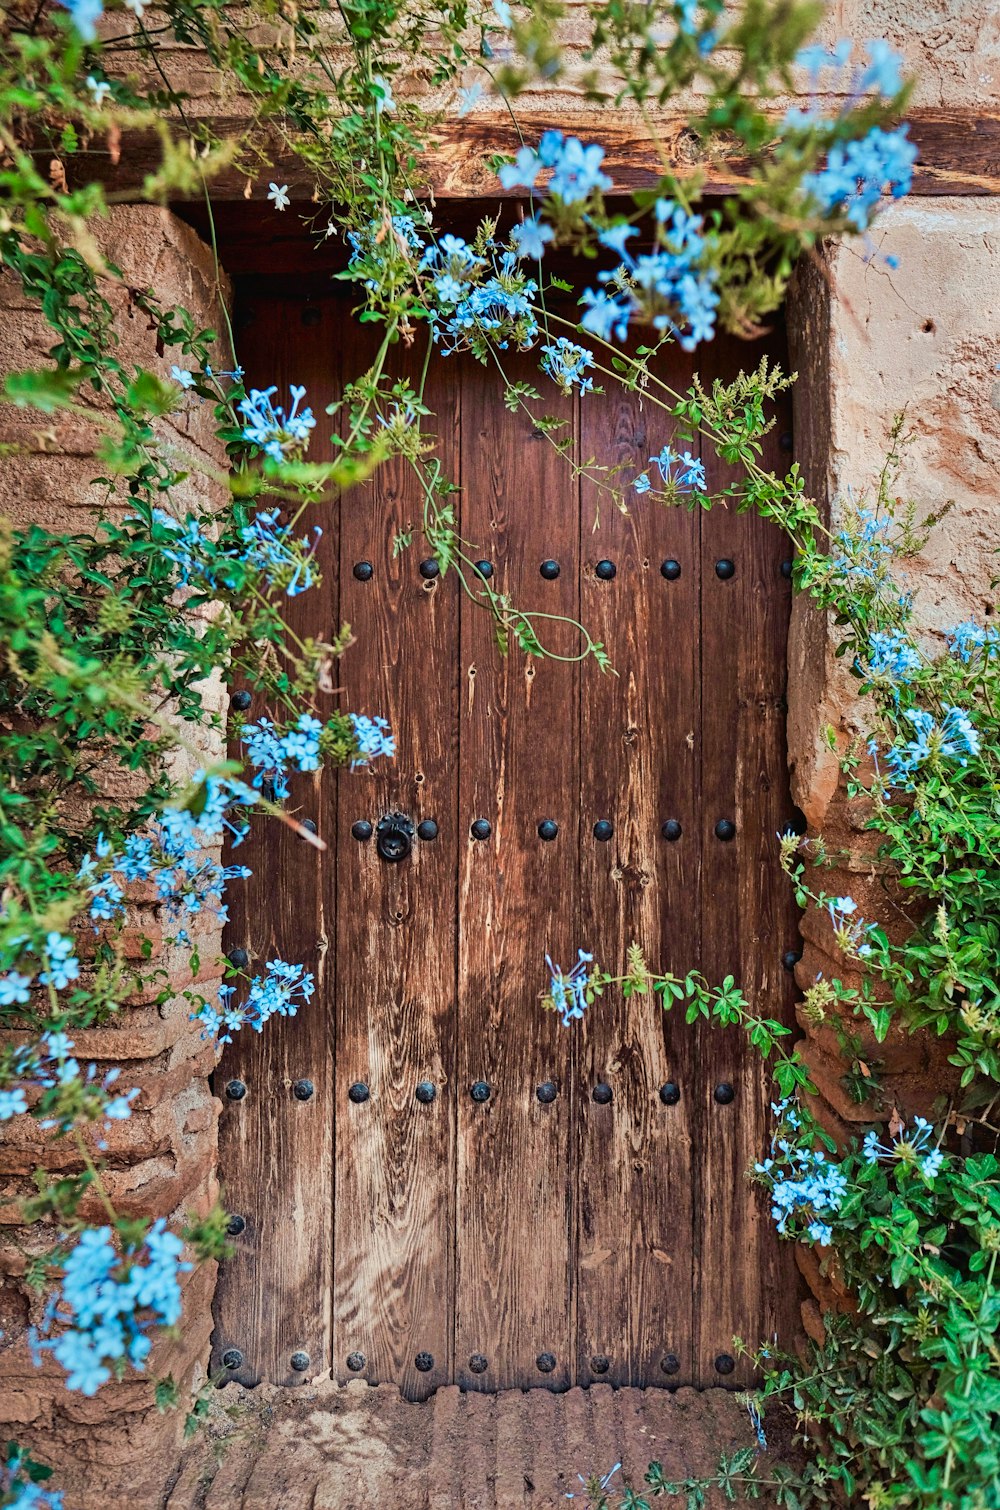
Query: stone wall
column 872, row 342
column 161, row 1162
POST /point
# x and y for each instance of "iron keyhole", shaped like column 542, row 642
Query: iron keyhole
column 394, row 838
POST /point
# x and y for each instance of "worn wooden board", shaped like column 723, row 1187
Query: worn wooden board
column 275, row 1150
column 959, row 155
column 639, row 767
column 396, row 940
column 517, row 899
column 746, row 1283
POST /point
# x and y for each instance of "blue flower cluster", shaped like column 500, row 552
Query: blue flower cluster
column 970, row 638
column 576, row 169
column 107, row 1304
column 266, row 547
column 856, row 173
column 804, row 1184
column 915, row 1149
column 568, row 993
column 373, row 738
column 673, row 287
column 690, row 472
column 276, row 993
column 497, row 312
column 175, row 855
column 954, row 738
column 275, row 754
column 566, row 362
column 48, row 1063
column 892, row 656
column 270, row 428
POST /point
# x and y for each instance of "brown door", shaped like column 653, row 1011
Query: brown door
column 438, row 1181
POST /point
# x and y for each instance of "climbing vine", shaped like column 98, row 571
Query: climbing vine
column 112, row 634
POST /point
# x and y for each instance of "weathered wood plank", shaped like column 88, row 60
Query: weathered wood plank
column 517, row 900
column 275, row 1148
column 639, row 768
column 959, row 155
column 394, row 1215
column 747, row 1286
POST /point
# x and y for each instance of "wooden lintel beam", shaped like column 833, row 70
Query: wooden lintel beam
column 959, row 155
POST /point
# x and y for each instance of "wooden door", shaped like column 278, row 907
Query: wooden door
column 434, row 1180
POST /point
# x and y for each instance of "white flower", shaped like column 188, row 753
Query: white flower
column 182, row 376
column 278, row 196
column 100, row 89
column 137, row 7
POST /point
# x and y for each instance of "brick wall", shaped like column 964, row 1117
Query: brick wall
column 162, row 1161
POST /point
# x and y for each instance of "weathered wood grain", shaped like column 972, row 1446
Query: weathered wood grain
column 396, row 939
column 959, row 155
column 639, row 767
column 746, row 1282
column 275, row 1150
column 517, row 899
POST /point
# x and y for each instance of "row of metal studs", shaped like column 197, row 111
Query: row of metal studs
column 605, row 571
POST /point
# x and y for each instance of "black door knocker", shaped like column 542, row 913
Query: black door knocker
column 393, row 837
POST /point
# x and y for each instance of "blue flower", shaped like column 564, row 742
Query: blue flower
column 804, row 1183
column 673, row 287
column 955, row 738
column 12, row 1103
column 182, row 376
column 642, row 483
column 84, row 14
column 469, row 98
column 14, row 989
column 530, row 237
column 565, row 363
column 851, row 931
column 63, row 966
column 569, row 992
column 606, row 317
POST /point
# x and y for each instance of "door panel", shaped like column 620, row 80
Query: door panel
column 519, row 765
column 639, row 769
column 505, row 1227
column 395, row 1004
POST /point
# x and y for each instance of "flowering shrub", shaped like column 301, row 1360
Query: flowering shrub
column 99, row 629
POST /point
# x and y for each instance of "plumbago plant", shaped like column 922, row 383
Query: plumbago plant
column 111, row 633
column 898, row 1405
